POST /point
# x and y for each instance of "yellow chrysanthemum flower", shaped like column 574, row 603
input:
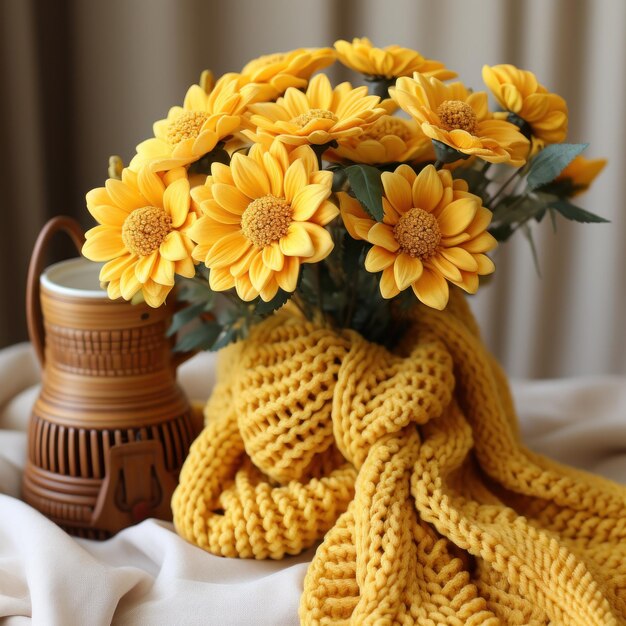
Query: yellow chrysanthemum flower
column 390, row 62
column 580, row 173
column 452, row 115
column 263, row 216
column 143, row 233
column 519, row 92
column 274, row 73
column 433, row 231
column 319, row 116
column 388, row 140
column 193, row 130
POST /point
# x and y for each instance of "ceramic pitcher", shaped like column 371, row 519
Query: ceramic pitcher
column 110, row 428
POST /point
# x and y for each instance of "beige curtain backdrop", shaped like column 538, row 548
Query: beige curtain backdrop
column 84, row 79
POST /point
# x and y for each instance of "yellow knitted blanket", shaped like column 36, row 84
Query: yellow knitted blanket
column 408, row 467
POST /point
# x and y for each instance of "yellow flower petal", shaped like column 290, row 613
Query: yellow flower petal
column 123, row 195
column 445, row 268
column 378, row 259
column 176, row 201
column 242, row 265
column 108, row 215
column 221, row 174
column 397, row 191
column 226, row 250
column 307, row 200
column 382, row 235
column 207, row 231
column 151, row 186
column 100, row 196
column 259, row 273
column 113, row 290
column 427, row 189
column 245, row 289
column 461, row 258
column 220, row 279
column 273, row 257
column 320, row 92
column 217, row 213
column 144, row 267
column 173, row 248
column 325, row 214
column 185, row 267
column 457, row 216
column 103, row 243
column 295, row 179
column 155, row 294
column 322, row 242
column 406, row 270
column 297, row 241
column 249, row 176
column 230, row 198
column 163, row 272
column 270, row 290
column 129, row 285
column 485, row 264
column 113, row 269
column 469, row 282
column 483, row 243
column 274, row 174
column 432, row 289
column 388, row 287
column 287, row 278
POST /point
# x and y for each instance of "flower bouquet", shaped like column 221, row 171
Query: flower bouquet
column 324, row 236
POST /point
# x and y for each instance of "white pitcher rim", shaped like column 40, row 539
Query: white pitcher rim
column 52, row 278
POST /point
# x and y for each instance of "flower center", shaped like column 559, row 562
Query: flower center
column 186, row 126
column 418, row 234
column 456, row 114
column 314, row 114
column 145, row 229
column 388, row 125
column 266, row 220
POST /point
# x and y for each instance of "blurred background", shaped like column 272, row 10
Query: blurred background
column 84, row 79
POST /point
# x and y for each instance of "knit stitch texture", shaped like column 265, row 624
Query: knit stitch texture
column 409, row 468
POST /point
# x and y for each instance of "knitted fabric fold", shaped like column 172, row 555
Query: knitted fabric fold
column 407, row 466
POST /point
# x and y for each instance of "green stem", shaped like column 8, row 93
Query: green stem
column 506, row 183
column 438, row 165
column 379, row 86
column 319, row 150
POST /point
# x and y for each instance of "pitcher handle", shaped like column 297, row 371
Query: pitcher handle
column 34, row 317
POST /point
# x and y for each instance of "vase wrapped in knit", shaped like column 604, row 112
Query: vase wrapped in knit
column 408, row 467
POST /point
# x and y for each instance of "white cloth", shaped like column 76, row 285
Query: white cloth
column 147, row 575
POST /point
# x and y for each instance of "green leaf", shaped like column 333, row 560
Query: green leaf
column 572, row 212
column 184, row 316
column 201, row 338
column 552, row 213
column 265, row 308
column 533, row 249
column 368, row 188
column 229, row 335
column 502, row 232
column 551, row 161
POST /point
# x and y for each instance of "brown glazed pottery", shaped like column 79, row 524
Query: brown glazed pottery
column 110, row 428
